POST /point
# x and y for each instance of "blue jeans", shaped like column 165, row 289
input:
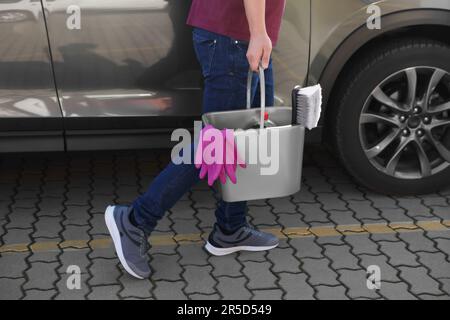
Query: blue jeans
column 225, row 68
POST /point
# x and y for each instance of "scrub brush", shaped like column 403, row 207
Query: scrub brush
column 307, row 106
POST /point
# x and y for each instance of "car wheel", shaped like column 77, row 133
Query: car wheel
column 392, row 125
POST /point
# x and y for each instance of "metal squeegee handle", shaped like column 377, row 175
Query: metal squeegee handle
column 262, row 83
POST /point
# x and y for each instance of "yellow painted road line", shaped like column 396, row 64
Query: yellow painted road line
column 290, row 233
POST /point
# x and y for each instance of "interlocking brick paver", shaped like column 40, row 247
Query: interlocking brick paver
column 97, row 222
column 207, row 217
column 437, row 263
column 14, row 236
column 193, row 254
column 417, row 241
column 50, row 207
column 42, row 275
column 362, row 244
column 283, row 260
column 105, row 253
column 252, row 256
column 262, row 216
column 366, row 213
column 349, row 191
column 11, row 288
column 199, row 279
column 259, row 275
column 331, row 201
column 282, row 205
column 434, row 200
column 21, row 218
column 203, row 199
column 127, row 194
column 420, row 281
column 274, row 294
column 12, row 265
column 442, row 212
column 99, row 202
column 395, row 291
column 183, row 226
column 413, row 206
column 316, row 182
column 306, row 248
column 40, row 294
column 166, row 267
column 393, row 215
column 66, row 292
column 312, row 212
column 75, row 257
column 445, row 285
column 226, row 266
column 336, row 241
column 104, row 272
column 331, row 293
column 29, row 203
column 164, row 225
column 341, row 257
column 182, row 210
column 76, row 215
column 169, row 290
column 443, row 245
column 304, row 196
column 343, row 217
column 290, row 220
column 356, row 282
column 233, row 288
column 388, row 273
column 135, row 288
column 45, row 256
column 319, row 272
column 104, row 293
column 54, row 189
column 212, row 297
column 48, row 227
column 433, row 297
column 45, row 200
column 72, row 232
column 380, row 201
column 398, row 254
column 77, row 197
column 296, row 286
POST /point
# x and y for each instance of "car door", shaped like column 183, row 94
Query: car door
column 30, row 116
column 125, row 70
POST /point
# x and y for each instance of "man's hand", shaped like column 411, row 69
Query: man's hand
column 260, row 47
column 259, row 51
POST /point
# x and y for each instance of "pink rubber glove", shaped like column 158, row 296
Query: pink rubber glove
column 231, row 157
column 223, row 166
column 212, row 170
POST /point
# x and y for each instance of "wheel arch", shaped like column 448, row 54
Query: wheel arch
column 430, row 23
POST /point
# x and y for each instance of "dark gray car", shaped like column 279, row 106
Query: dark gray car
column 121, row 74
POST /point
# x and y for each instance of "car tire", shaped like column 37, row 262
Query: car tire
column 354, row 127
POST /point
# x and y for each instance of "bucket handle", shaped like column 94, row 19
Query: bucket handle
column 262, row 83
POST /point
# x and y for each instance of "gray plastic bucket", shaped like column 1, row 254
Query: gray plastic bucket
column 251, row 183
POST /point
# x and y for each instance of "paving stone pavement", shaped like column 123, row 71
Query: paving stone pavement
column 51, row 218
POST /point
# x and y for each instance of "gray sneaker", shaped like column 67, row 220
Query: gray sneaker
column 131, row 243
column 244, row 239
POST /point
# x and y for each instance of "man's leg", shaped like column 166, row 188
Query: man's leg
column 226, row 89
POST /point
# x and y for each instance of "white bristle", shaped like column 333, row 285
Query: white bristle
column 309, row 106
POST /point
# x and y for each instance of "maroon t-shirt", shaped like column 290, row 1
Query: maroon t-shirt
column 228, row 18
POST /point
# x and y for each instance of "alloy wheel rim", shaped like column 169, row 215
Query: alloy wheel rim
column 404, row 126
